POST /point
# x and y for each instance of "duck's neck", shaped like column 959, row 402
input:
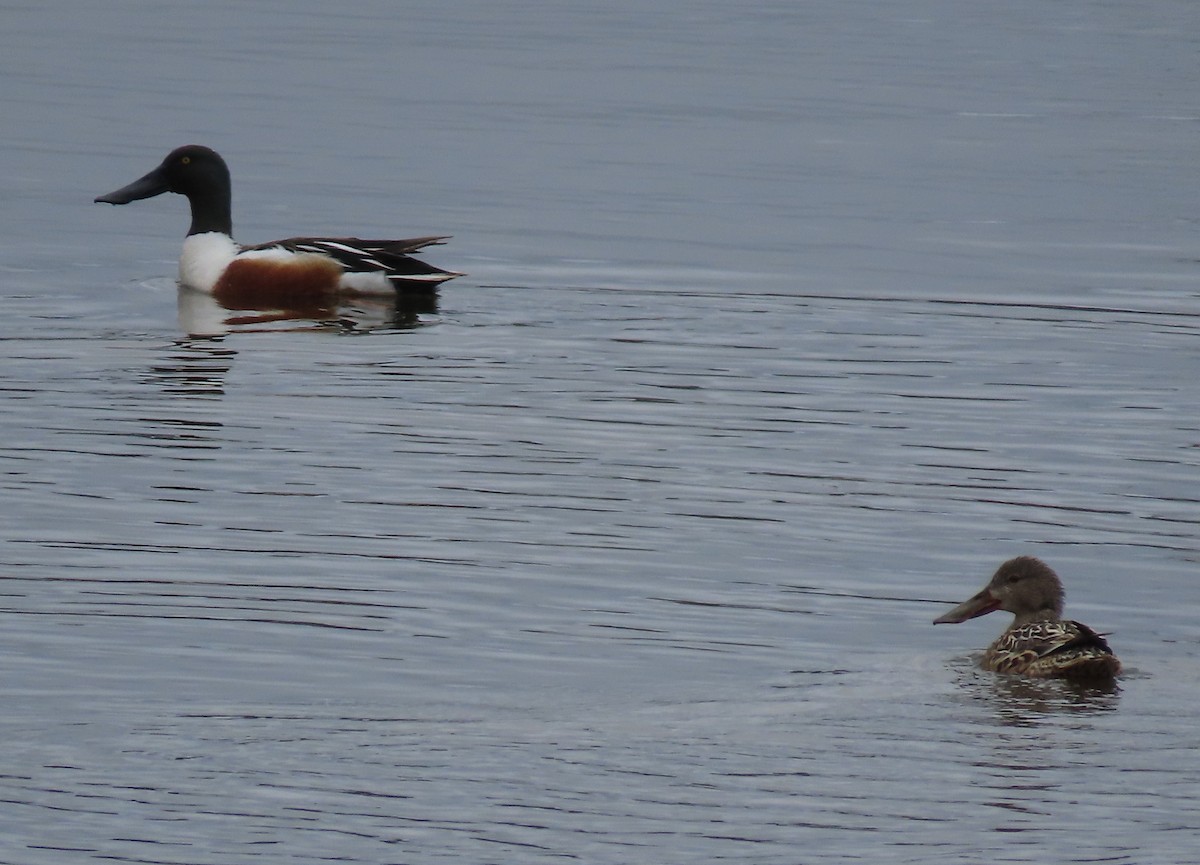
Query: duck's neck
column 211, row 212
column 1046, row 614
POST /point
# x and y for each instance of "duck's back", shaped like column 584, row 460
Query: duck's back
column 1053, row 649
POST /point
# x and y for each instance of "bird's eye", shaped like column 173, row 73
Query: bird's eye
column 186, row 160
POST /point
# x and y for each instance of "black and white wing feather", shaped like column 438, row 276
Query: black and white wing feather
column 391, row 258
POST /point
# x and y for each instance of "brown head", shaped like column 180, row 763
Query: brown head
column 1024, row 586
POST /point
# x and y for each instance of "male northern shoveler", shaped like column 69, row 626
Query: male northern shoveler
column 298, row 269
column 1039, row 642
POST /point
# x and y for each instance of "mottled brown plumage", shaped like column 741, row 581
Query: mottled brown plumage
column 1039, row 642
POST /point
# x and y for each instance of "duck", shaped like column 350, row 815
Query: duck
column 295, row 270
column 1039, row 643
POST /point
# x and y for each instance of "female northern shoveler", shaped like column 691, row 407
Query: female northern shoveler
column 1039, row 642
column 292, row 270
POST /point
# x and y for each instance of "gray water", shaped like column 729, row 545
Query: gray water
column 784, row 325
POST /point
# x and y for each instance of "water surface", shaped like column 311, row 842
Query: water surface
column 784, row 326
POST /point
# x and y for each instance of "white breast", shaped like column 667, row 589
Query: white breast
column 204, row 259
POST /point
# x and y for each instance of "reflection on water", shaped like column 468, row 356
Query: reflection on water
column 201, row 315
column 194, row 368
column 1019, row 701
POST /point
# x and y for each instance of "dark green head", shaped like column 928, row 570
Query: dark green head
column 197, row 172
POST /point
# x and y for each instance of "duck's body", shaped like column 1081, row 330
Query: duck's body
column 1052, row 649
column 299, row 269
column 1039, row 642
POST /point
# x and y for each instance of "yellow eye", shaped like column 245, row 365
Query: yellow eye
column 186, row 160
